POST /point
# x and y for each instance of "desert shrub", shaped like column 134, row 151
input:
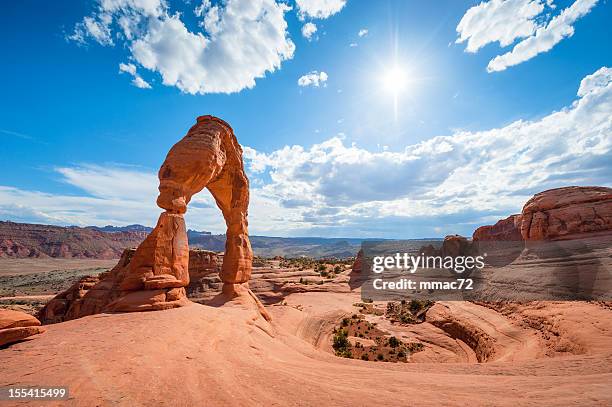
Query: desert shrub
column 324, row 273
column 337, row 269
column 368, row 300
column 394, row 342
column 406, row 319
column 415, row 347
column 341, row 344
column 345, row 321
column 365, row 357
column 380, row 356
column 401, row 354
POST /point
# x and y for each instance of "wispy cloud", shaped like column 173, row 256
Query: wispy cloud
column 136, row 79
column 530, row 21
column 16, row 134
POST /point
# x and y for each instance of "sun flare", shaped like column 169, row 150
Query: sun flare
column 394, row 80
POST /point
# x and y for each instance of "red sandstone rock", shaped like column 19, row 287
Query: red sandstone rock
column 455, row 245
column 16, row 325
column 209, row 156
column 16, row 319
column 21, row 240
column 162, row 260
column 358, row 262
column 565, row 213
column 504, row 230
column 12, row 335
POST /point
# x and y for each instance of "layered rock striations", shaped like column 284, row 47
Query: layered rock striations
column 504, row 230
column 16, row 326
column 567, row 213
column 22, row 240
column 556, row 214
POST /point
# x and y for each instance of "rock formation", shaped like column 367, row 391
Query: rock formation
column 358, row 262
column 455, row 245
column 555, row 214
column 155, row 276
column 566, row 213
column 504, row 230
column 16, row 325
column 87, row 296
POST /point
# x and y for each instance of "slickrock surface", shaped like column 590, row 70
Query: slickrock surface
column 197, row 355
column 270, row 283
column 15, row 326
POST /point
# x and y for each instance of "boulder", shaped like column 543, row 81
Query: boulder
column 455, row 245
column 16, row 326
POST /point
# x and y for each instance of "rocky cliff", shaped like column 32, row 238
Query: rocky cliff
column 21, row 240
column 556, row 214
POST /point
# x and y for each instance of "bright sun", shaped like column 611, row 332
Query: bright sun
column 394, row 80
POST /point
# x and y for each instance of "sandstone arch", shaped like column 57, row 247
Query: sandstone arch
column 155, row 278
column 209, row 156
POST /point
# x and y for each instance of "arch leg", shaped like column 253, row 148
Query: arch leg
column 231, row 192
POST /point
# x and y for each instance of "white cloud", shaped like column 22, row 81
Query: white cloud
column 545, row 38
column 331, row 184
column 506, row 21
column 319, row 8
column 241, row 41
column 109, row 194
column 363, row 32
column 136, row 80
column 498, row 20
column 308, row 30
column 353, row 44
column 313, row 78
column 335, row 188
column 201, row 8
column 596, row 81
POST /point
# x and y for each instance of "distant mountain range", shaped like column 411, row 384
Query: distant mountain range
column 141, row 228
column 23, row 240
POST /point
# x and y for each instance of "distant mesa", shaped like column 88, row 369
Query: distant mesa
column 115, row 229
column 23, row 240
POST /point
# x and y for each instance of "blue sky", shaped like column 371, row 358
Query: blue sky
column 500, row 99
